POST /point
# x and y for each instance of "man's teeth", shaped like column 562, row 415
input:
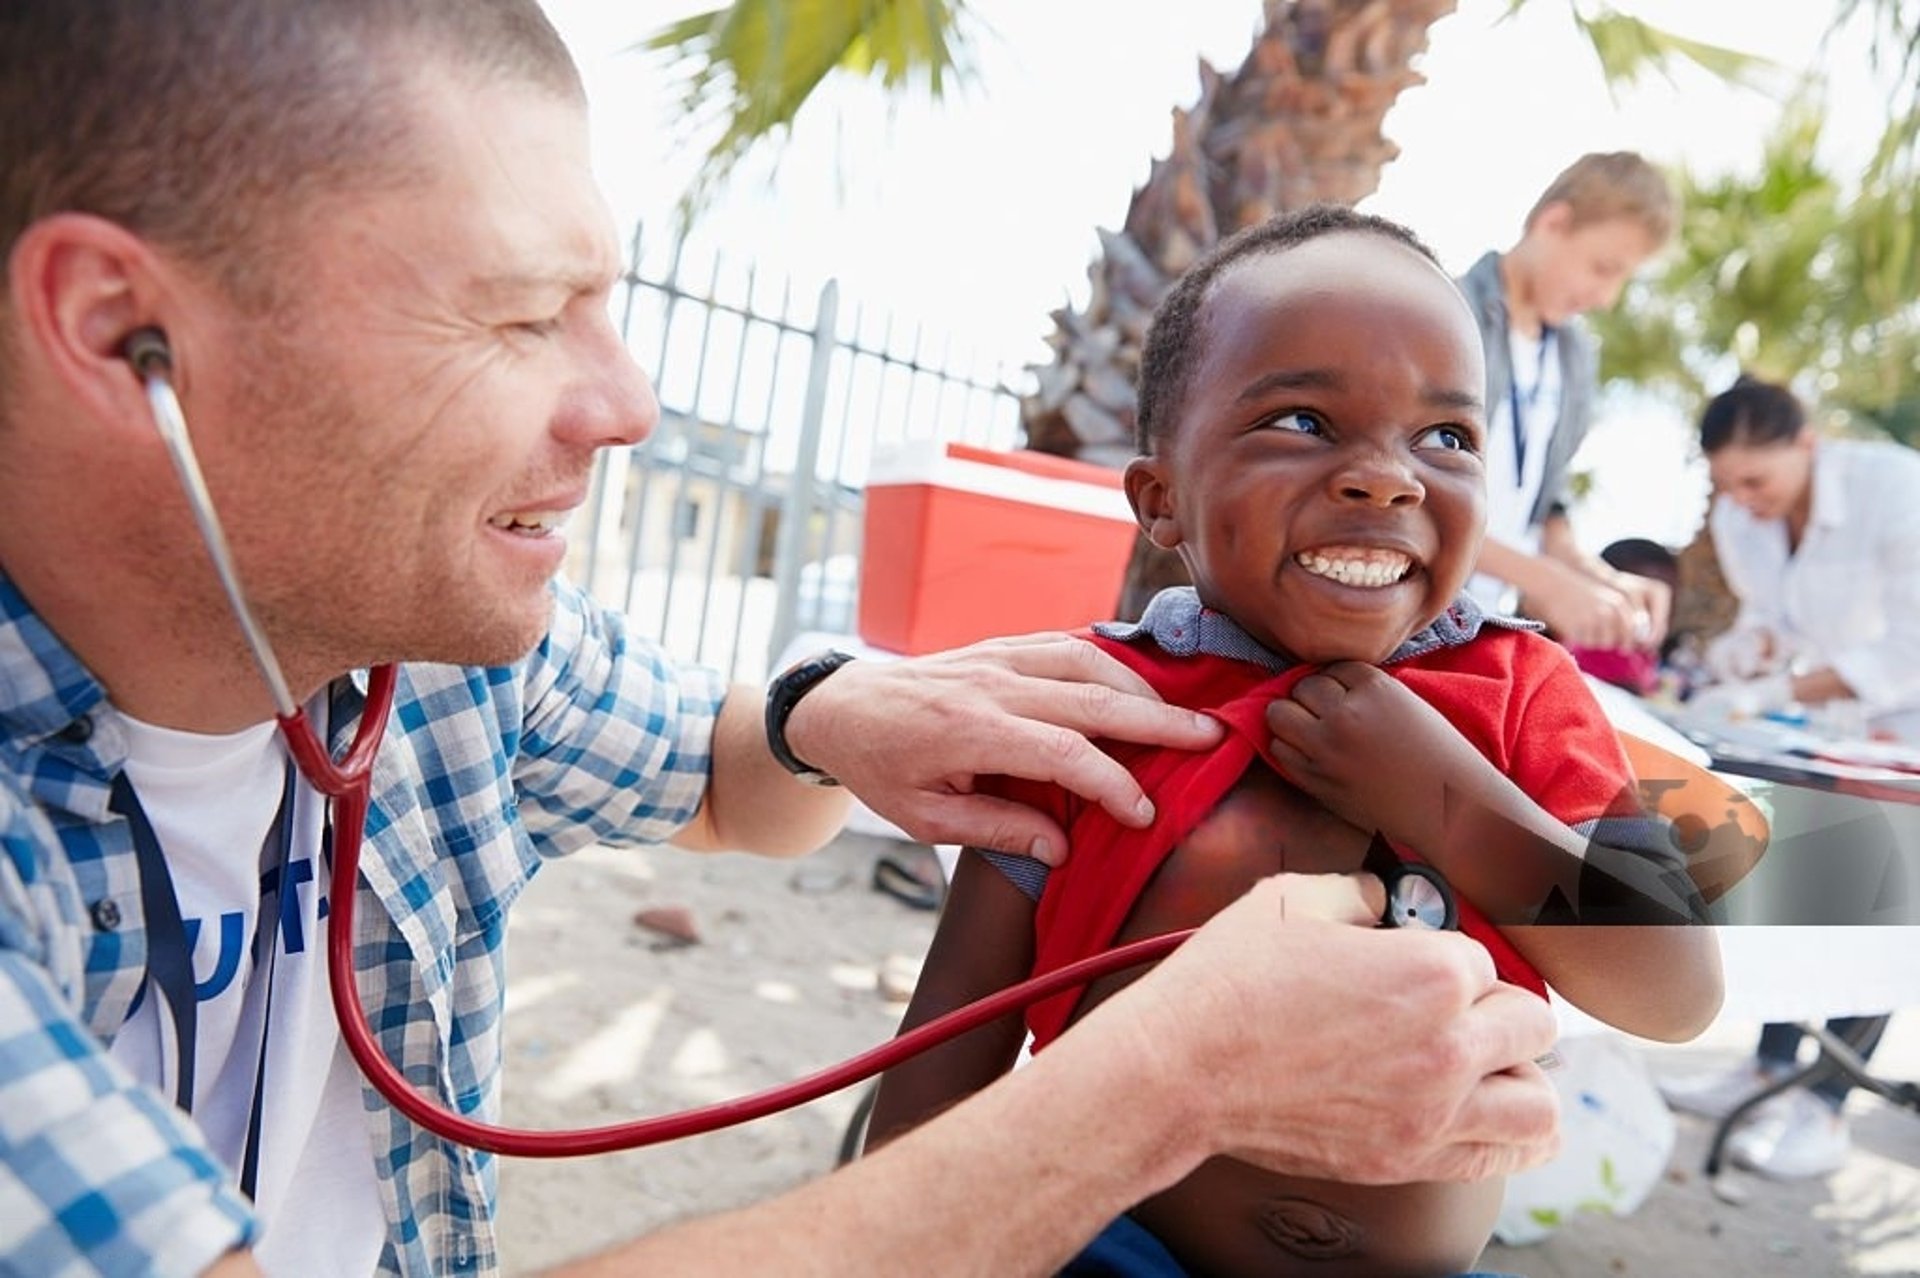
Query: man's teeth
column 530, row 520
column 1373, row 568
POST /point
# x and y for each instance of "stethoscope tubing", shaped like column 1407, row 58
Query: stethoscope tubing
column 350, row 786
column 442, row 1122
column 348, row 782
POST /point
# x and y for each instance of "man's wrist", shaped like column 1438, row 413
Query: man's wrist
column 1170, row 1126
column 784, row 694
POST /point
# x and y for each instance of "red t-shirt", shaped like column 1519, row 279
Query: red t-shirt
column 1515, row 696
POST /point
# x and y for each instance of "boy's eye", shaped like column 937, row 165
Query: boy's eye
column 1298, row 421
column 1453, row 439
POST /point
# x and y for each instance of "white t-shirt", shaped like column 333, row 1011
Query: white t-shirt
column 211, row 801
column 1514, row 476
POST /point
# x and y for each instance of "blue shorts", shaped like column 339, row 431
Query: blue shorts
column 1125, row 1249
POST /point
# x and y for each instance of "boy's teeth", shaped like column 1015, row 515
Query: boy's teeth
column 1372, row 568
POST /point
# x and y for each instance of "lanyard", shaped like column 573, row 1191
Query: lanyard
column 1532, row 402
column 170, row 956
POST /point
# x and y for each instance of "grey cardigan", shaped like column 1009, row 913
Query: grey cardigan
column 1578, row 374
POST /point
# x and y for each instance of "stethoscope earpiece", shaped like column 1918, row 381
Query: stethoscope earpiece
column 147, row 350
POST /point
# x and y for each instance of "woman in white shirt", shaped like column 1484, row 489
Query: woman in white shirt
column 1820, row 539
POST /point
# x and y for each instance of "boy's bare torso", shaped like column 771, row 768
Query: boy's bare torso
column 1229, row 1218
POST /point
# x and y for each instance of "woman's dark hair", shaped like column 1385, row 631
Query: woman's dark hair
column 1751, row 412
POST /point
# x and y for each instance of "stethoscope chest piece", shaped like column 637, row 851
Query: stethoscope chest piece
column 1417, row 896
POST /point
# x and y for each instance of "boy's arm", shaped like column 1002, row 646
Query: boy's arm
column 1658, row 982
column 1371, row 750
column 984, row 943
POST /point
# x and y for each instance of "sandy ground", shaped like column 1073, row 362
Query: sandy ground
column 606, row 1022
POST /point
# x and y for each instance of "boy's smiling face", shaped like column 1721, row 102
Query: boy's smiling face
column 1322, row 477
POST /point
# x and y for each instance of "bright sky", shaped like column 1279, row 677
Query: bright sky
column 976, row 217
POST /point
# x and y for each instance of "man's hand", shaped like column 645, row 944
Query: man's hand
column 1315, row 1047
column 1582, row 610
column 911, row 737
column 1652, row 600
column 1371, row 751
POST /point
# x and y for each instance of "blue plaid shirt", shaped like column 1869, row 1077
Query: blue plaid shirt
column 594, row 737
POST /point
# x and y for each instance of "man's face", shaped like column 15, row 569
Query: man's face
column 1323, row 481
column 392, row 449
column 1581, row 268
column 1767, row 480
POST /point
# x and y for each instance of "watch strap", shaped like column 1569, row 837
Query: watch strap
column 783, row 694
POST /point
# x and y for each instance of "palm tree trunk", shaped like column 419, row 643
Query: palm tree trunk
column 1298, row 123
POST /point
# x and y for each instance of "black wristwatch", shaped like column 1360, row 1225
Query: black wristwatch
column 783, row 694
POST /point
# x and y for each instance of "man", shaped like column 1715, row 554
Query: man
column 367, row 231
column 1592, row 227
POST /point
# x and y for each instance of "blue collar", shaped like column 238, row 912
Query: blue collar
column 43, row 687
column 1182, row 626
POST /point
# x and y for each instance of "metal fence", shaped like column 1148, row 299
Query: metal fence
column 737, row 526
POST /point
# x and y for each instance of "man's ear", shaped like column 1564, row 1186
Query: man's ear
column 77, row 286
column 1153, row 501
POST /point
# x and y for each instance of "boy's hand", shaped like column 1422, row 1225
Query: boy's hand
column 1370, row 750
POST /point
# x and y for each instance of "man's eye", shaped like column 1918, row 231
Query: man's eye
column 1454, row 439
column 1297, row 420
column 538, row 328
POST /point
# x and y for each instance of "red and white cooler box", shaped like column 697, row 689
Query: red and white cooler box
column 964, row 543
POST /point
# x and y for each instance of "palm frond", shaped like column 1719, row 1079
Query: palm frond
column 750, row 67
column 1629, row 48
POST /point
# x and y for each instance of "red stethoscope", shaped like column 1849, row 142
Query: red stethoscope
column 1417, row 896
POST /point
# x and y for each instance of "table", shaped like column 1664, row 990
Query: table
column 1846, row 831
column 1845, row 851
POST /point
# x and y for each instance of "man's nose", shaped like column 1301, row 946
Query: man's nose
column 619, row 406
column 639, row 406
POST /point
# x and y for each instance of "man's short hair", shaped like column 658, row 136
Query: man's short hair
column 1605, row 185
column 201, row 124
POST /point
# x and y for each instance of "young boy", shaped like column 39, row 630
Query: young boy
column 1593, row 226
column 1312, row 424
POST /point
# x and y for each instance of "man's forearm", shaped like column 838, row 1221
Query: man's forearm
column 1558, row 542
column 753, row 804
column 1510, row 564
column 1015, row 1180
column 1817, row 687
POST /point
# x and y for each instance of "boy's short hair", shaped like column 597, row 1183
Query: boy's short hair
column 1602, row 186
column 1643, row 557
column 1166, row 357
